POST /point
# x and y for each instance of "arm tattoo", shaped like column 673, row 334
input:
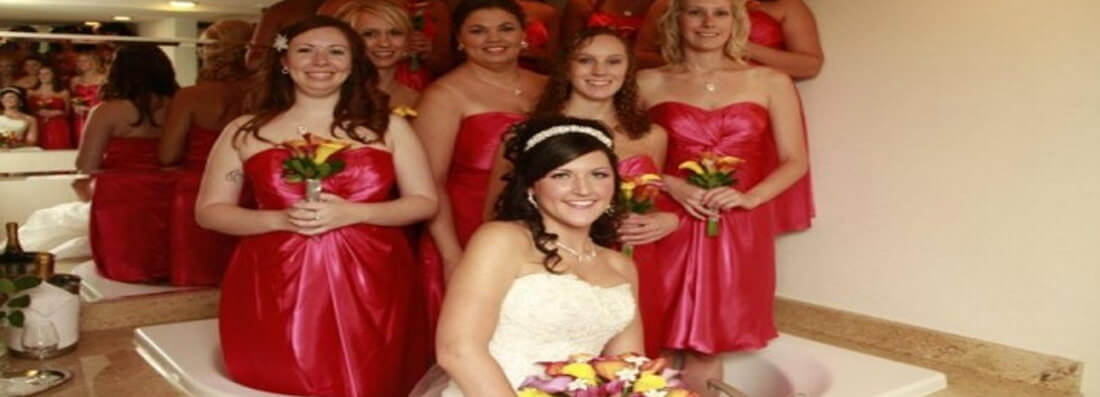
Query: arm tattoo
column 235, row 176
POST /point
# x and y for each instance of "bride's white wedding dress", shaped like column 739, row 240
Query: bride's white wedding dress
column 546, row 317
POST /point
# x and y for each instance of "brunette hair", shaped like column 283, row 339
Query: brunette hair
column 20, row 95
column 628, row 109
column 467, row 7
column 361, row 104
column 55, row 82
column 225, row 60
column 529, row 166
column 139, row 73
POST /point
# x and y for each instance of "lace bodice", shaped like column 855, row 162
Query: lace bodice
column 547, row 317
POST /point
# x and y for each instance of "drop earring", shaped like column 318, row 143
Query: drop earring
column 523, row 44
column 285, row 70
column 531, row 199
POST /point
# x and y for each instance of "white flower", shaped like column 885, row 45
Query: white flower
column 627, row 374
column 655, row 393
column 281, row 43
column 578, row 384
column 637, row 361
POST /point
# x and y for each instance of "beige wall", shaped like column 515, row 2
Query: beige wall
column 956, row 151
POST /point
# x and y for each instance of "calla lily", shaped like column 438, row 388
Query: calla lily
column 608, row 369
column 692, row 166
column 327, row 149
column 580, row 371
column 649, row 381
column 532, row 392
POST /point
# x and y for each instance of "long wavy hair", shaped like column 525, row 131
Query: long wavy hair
column 671, row 43
column 140, row 73
column 224, row 61
column 361, row 104
column 529, row 166
column 628, row 110
column 55, row 83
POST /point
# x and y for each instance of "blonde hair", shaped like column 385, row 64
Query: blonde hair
column 388, row 10
column 669, row 26
column 225, row 61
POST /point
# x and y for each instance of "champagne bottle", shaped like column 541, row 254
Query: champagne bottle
column 14, row 261
column 13, row 247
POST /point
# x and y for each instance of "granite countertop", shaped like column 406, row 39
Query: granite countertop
column 104, row 364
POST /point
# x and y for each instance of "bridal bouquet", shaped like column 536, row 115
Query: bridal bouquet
column 709, row 172
column 584, row 375
column 311, row 161
column 639, row 196
column 9, row 140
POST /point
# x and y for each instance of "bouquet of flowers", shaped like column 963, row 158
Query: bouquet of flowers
column 9, row 140
column 639, row 197
column 310, row 161
column 709, row 172
column 79, row 101
column 584, row 375
column 419, row 24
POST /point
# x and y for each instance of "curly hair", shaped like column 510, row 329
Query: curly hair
column 530, row 166
column 224, row 61
column 628, row 110
column 139, row 73
column 361, row 104
column 669, row 26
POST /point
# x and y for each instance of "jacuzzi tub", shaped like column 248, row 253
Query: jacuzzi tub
column 187, row 354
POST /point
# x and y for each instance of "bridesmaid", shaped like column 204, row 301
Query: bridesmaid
column 50, row 102
column 85, row 89
column 385, row 28
column 463, row 117
column 131, row 197
column 198, row 114
column 596, row 79
column 710, row 99
column 31, row 65
column 318, row 296
column 431, row 42
column 14, row 118
column 273, row 19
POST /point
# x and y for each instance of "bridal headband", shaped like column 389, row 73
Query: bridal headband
column 567, row 129
column 12, row 90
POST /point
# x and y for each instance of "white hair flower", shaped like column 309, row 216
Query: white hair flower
column 281, row 43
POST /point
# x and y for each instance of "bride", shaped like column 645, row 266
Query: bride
column 539, row 284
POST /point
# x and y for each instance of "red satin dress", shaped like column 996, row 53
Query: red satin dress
column 627, row 26
column 89, row 94
column 197, row 256
column 794, row 208
column 467, row 185
column 719, row 291
column 650, row 288
column 325, row 315
column 129, row 212
column 54, row 132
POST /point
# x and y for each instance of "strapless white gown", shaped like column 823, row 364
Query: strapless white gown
column 546, row 317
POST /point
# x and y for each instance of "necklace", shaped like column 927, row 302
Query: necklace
column 582, row 257
column 710, row 86
column 517, row 90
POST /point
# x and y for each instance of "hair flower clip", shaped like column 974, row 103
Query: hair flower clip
column 281, row 43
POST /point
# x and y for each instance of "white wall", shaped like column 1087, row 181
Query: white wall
column 184, row 57
column 956, row 151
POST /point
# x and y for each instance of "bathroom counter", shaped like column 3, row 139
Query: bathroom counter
column 104, row 364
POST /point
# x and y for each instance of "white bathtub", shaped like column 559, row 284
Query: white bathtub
column 187, row 354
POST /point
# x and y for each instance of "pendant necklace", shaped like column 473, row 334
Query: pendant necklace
column 582, row 257
column 517, row 91
column 710, row 86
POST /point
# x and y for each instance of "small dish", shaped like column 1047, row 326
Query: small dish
column 32, row 381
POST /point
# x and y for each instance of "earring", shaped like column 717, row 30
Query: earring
column 531, row 199
column 285, row 70
column 461, row 47
column 523, row 44
column 610, row 210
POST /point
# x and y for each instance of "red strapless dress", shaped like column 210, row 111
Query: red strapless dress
column 627, row 26
column 54, row 132
column 197, row 256
column 129, row 212
column 467, row 184
column 719, row 291
column 648, row 264
column 325, row 315
column 89, row 94
column 794, row 208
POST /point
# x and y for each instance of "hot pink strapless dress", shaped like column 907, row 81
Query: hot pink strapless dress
column 718, row 292
column 129, row 212
column 324, row 315
column 794, row 208
column 467, row 184
column 647, row 262
column 197, row 256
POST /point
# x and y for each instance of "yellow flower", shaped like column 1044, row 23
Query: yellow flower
column 326, row 149
column 649, row 381
column 532, row 392
column 693, row 166
column 627, row 188
column 580, row 371
column 646, row 178
column 405, row 111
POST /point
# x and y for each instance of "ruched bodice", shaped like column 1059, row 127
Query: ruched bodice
column 547, row 317
column 765, row 30
column 368, row 176
column 741, row 129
